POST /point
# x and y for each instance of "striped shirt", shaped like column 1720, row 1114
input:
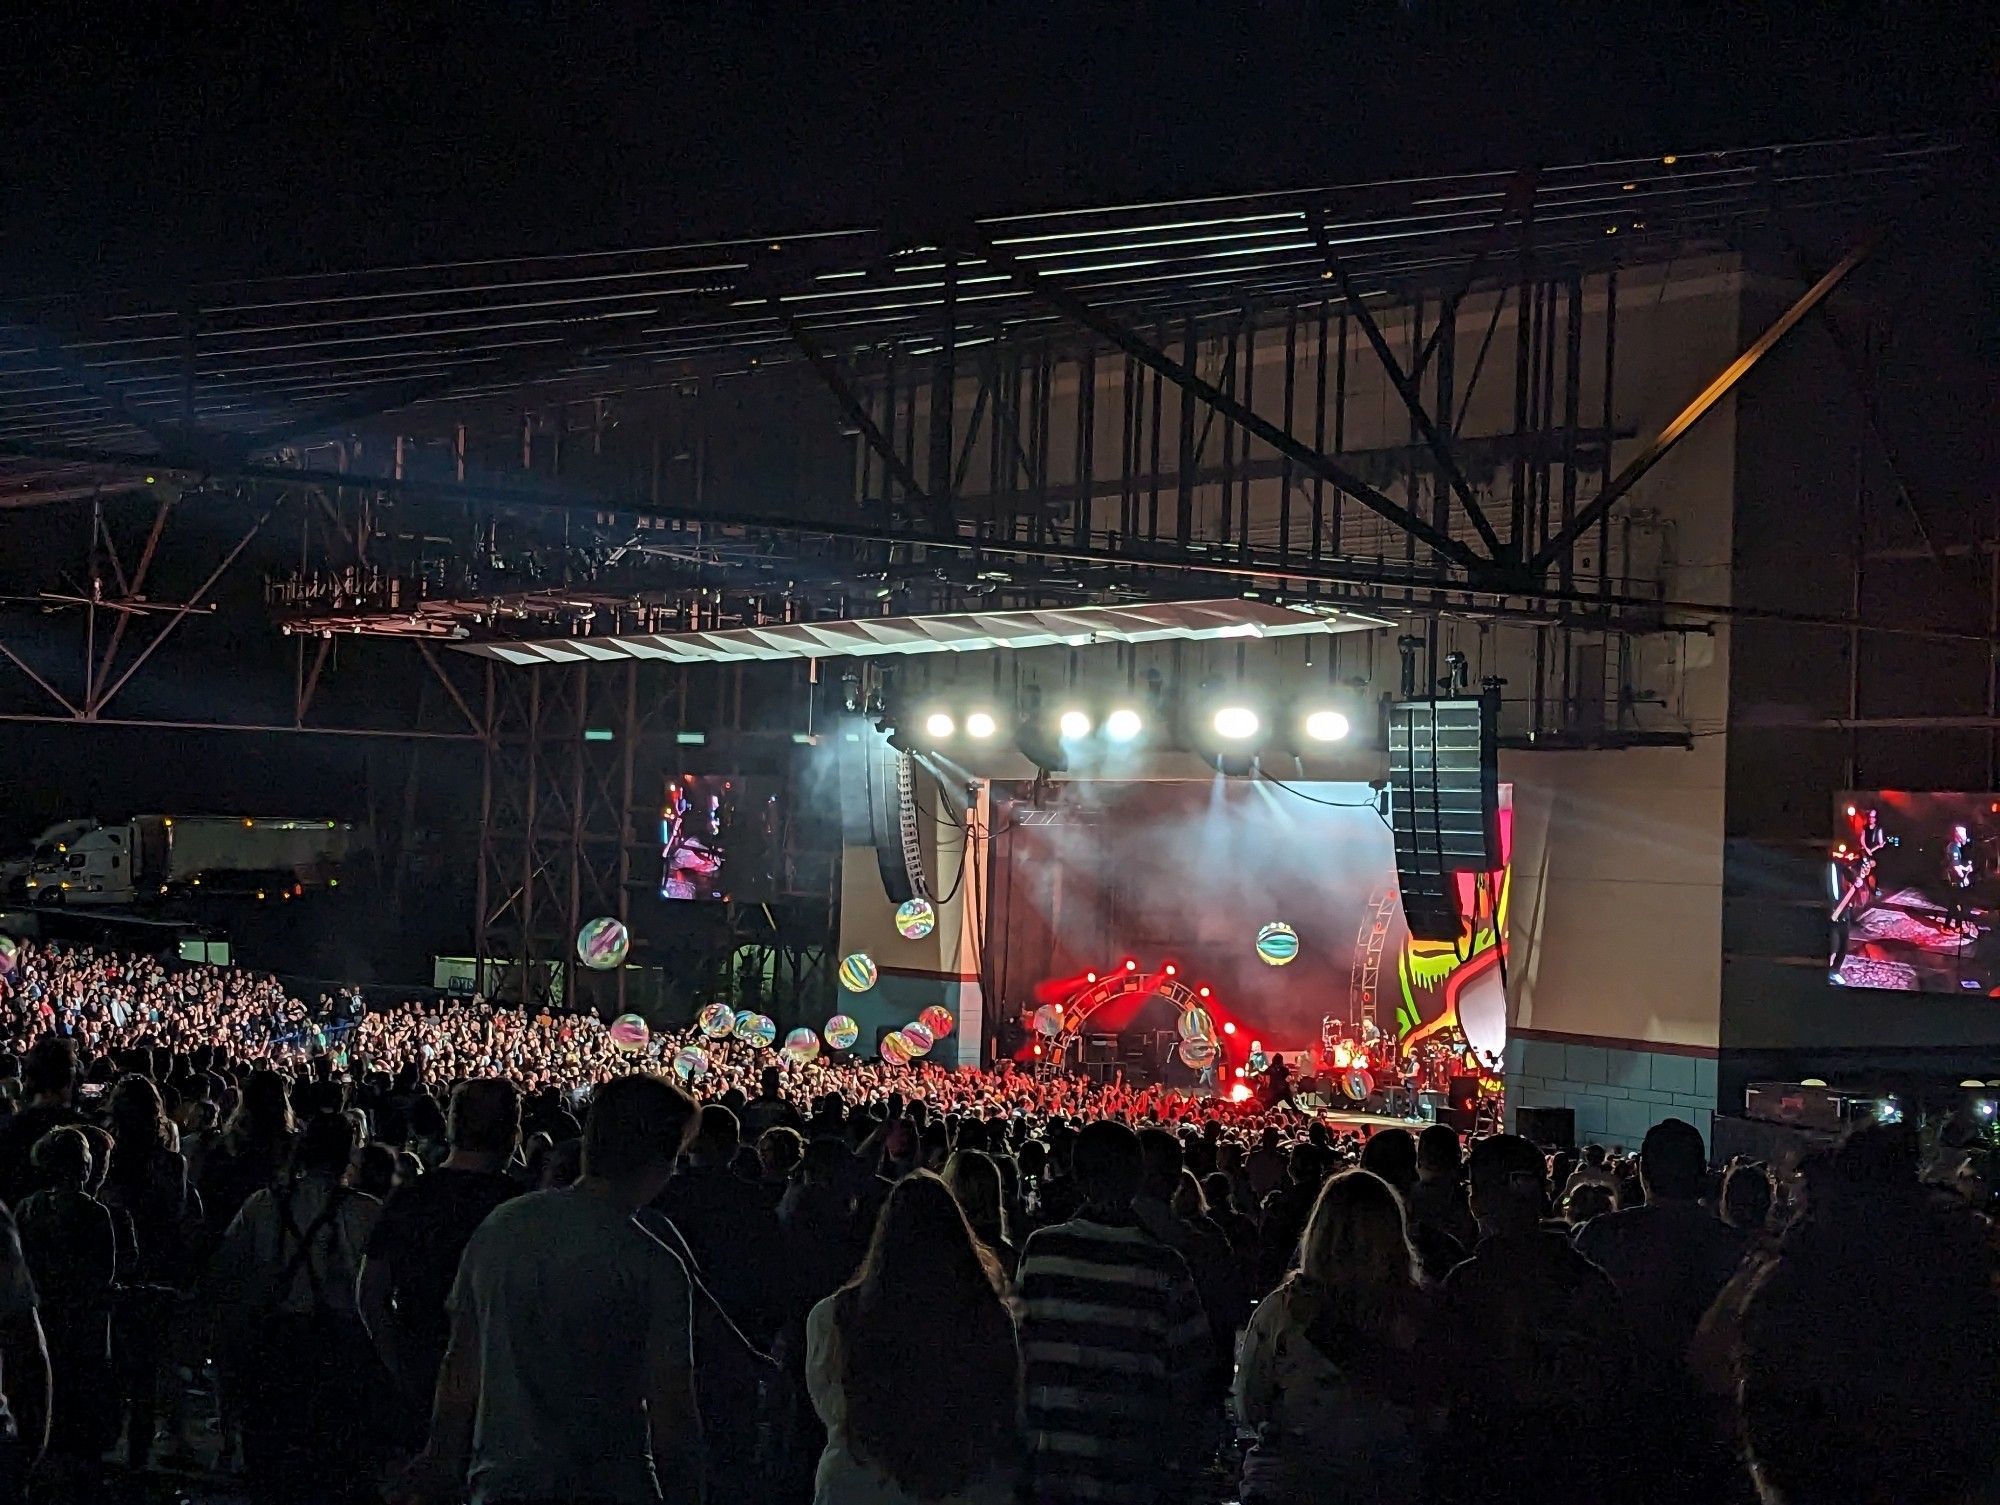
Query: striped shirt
column 1115, row 1347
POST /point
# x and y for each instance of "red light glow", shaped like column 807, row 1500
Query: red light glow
column 1240, row 1093
column 1229, row 1027
column 1090, row 977
column 1038, row 1050
column 1203, row 990
column 1170, row 969
column 1239, row 1073
column 1130, row 965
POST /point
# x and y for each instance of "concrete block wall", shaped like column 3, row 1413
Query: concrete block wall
column 1618, row 1090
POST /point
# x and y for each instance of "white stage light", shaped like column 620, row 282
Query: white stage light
column 939, row 725
column 1122, row 725
column 1237, row 723
column 980, row 725
column 1326, row 726
column 1074, row 724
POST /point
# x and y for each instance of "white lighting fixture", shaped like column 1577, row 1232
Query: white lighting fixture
column 1326, row 726
column 980, row 725
column 939, row 725
column 1074, row 724
column 1236, row 723
column 1122, row 725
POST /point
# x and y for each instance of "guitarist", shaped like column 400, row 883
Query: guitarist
column 1958, row 866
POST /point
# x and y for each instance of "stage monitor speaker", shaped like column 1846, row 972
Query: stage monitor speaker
column 1552, row 1128
column 1444, row 804
column 1462, row 1093
column 1462, row 1119
column 1099, row 1050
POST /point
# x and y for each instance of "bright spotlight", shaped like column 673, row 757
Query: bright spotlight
column 1130, row 965
column 1240, row 1093
column 1229, row 1027
column 1171, row 969
column 1122, row 725
column 939, row 725
column 980, row 725
column 1237, row 723
column 1326, row 726
column 1074, row 724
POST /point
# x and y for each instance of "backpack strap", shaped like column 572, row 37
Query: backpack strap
column 302, row 1260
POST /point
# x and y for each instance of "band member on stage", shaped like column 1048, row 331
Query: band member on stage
column 1873, row 837
column 1958, row 865
column 1278, row 1084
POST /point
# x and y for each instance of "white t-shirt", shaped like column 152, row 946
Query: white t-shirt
column 570, row 1297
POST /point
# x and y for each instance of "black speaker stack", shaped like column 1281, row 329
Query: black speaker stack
column 1444, row 804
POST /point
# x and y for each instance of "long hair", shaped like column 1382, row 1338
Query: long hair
column 973, row 1178
column 1356, row 1266
column 263, row 1117
column 927, row 1288
column 139, row 1118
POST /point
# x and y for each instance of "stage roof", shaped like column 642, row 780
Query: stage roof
column 953, row 632
column 94, row 385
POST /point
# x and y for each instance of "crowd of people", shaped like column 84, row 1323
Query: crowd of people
column 517, row 1266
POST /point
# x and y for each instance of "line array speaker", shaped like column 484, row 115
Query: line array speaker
column 1444, row 805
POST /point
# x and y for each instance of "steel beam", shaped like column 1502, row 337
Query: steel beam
column 1724, row 382
column 1183, row 376
column 1406, row 388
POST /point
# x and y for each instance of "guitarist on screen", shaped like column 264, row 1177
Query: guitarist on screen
column 1958, row 866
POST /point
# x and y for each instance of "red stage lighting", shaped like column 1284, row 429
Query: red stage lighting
column 1240, row 1093
column 1170, row 969
column 1239, row 1072
column 1229, row 1027
column 1850, row 810
column 1203, row 990
column 1130, row 965
column 1038, row 1050
column 1090, row 977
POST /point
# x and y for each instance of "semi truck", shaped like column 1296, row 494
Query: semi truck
column 153, row 857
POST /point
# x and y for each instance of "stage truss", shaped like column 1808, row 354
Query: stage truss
column 1364, row 981
column 1125, row 982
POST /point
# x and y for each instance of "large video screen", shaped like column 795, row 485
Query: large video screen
column 1913, row 885
column 1280, row 899
column 721, row 838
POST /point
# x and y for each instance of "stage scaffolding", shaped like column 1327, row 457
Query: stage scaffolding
column 1138, row 403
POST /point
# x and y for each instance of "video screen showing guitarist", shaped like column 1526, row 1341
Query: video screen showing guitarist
column 1914, row 893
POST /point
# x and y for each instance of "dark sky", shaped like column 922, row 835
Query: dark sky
column 155, row 143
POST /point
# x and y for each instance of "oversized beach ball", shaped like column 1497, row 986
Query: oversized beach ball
column 690, row 1063
column 602, row 943
column 10, row 955
column 800, row 1046
column 857, row 972
column 937, row 1019
column 1049, row 1020
column 1277, row 943
column 842, row 1032
column 1198, row 1053
column 717, row 1020
column 1357, row 1084
column 915, row 919
column 919, row 1039
column 1195, row 1024
column 895, row 1049
column 753, row 1028
column 630, row 1033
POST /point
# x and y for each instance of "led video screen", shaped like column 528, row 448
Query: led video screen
column 1913, row 889
column 720, row 838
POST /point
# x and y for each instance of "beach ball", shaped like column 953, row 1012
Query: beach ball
column 9, row 955
column 1277, row 943
column 915, row 919
column 630, row 1033
column 1357, row 1084
column 857, row 972
column 1198, row 1053
column 690, row 1063
column 753, row 1028
column 1049, row 1020
column 602, row 943
column 717, row 1020
column 800, row 1046
column 919, row 1039
column 1195, row 1024
column 937, row 1019
column 895, row 1049
column 842, row 1032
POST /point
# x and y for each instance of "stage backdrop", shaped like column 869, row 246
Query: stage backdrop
column 1189, row 872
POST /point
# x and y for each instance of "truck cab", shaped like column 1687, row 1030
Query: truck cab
column 95, row 867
